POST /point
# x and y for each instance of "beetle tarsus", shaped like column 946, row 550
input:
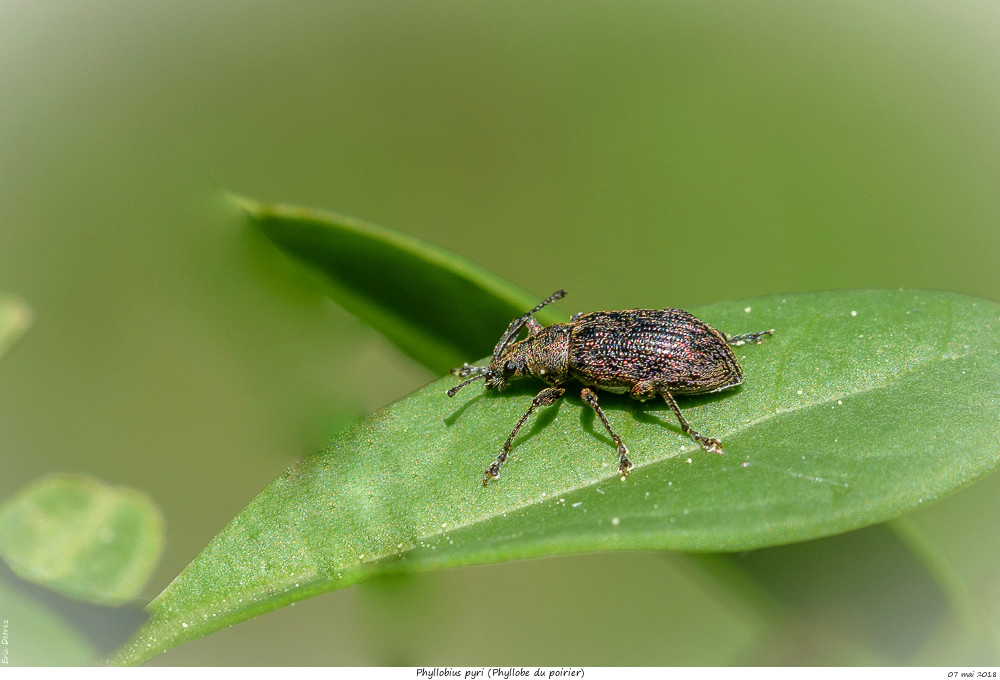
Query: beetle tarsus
column 707, row 443
column 755, row 338
column 624, row 466
column 492, row 472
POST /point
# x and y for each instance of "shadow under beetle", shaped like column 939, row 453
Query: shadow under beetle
column 645, row 352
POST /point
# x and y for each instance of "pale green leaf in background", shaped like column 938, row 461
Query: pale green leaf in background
column 82, row 537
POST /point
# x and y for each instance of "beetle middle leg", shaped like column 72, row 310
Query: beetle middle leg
column 707, row 443
column 624, row 464
column 547, row 396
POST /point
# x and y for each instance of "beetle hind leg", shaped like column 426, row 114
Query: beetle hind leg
column 624, row 464
column 755, row 338
column 707, row 443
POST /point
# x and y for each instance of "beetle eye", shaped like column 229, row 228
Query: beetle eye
column 510, row 367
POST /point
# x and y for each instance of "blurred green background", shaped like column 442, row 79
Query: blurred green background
column 635, row 153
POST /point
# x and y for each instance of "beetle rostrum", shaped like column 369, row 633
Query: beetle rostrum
column 644, row 352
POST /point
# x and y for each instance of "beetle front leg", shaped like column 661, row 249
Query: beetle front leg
column 544, row 398
column 624, row 464
column 707, row 443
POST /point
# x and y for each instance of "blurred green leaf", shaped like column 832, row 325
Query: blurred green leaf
column 419, row 296
column 868, row 595
column 864, row 405
column 82, row 537
column 15, row 317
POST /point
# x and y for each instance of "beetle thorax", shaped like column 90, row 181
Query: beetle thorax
column 544, row 355
column 548, row 353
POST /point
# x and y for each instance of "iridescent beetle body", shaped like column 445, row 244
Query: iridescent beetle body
column 642, row 352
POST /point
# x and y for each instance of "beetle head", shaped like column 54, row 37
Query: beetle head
column 510, row 365
column 508, row 362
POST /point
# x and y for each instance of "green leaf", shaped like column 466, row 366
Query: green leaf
column 417, row 295
column 862, row 406
column 15, row 317
column 82, row 537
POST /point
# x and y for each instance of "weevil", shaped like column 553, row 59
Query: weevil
column 644, row 352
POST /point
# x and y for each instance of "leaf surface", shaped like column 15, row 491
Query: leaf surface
column 862, row 406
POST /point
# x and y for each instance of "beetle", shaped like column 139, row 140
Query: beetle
column 644, row 352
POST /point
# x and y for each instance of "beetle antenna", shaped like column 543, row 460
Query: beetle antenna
column 515, row 326
column 456, row 388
